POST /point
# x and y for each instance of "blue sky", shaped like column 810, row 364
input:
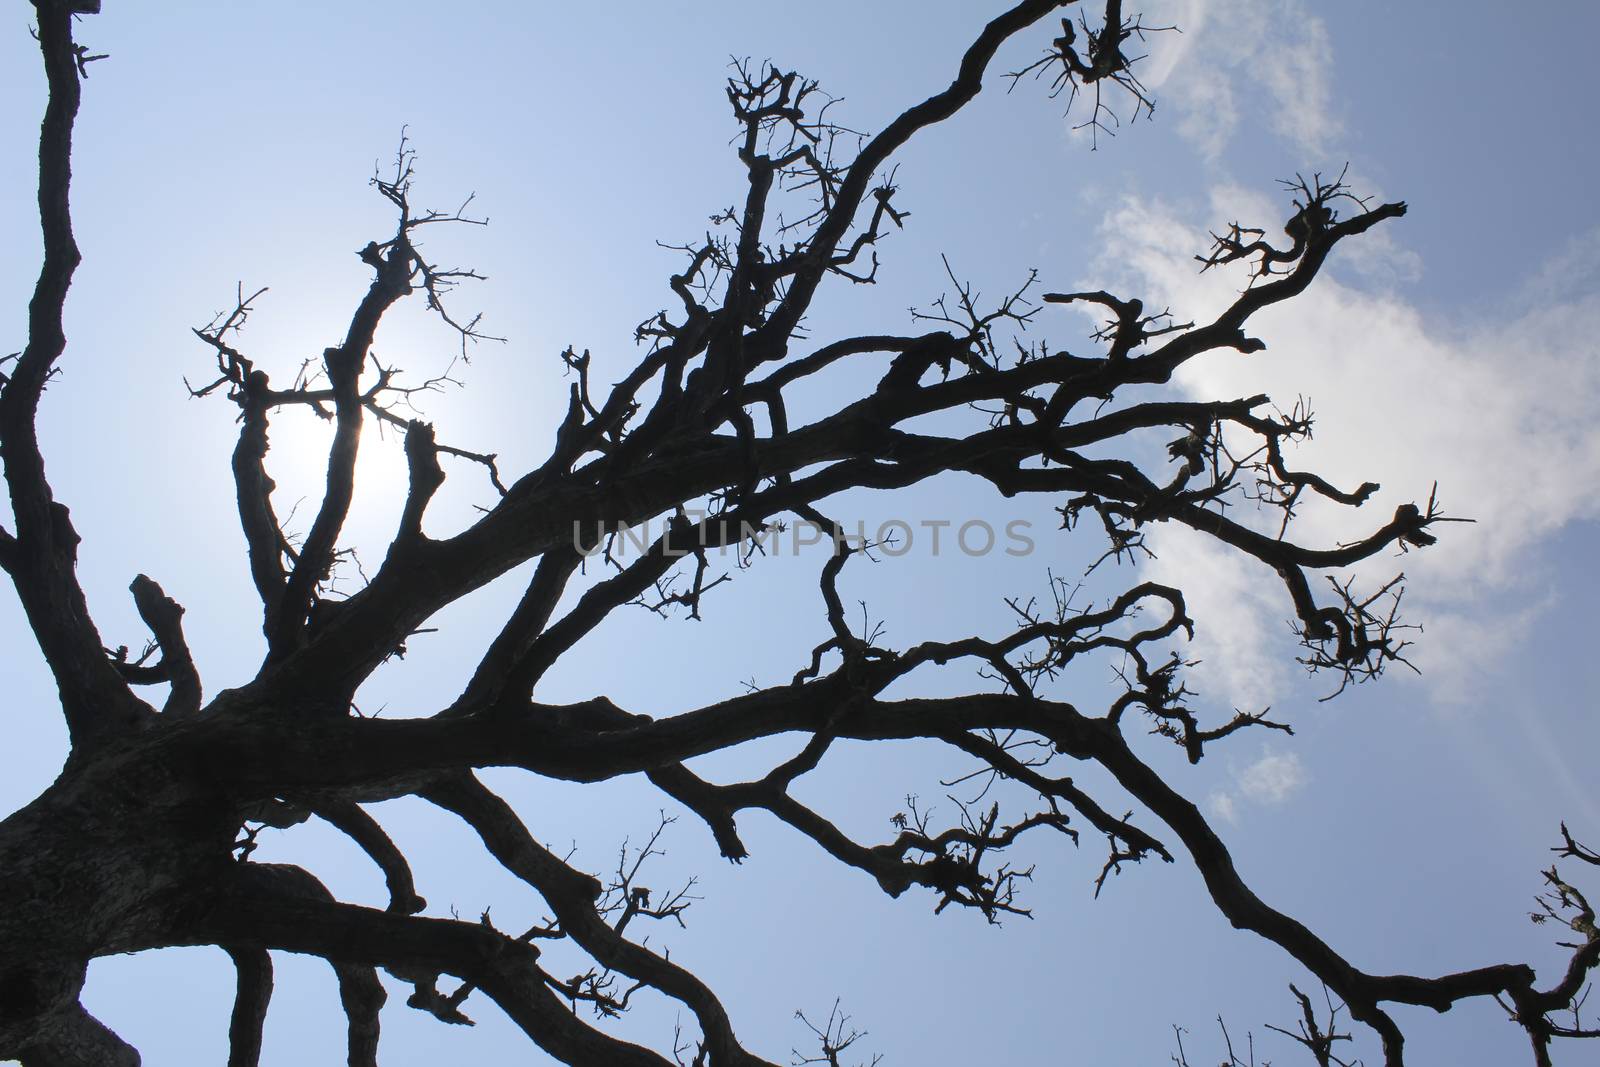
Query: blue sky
column 1406, row 821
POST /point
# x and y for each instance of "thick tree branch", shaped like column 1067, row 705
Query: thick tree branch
column 253, row 967
column 164, row 616
column 263, row 907
column 571, row 896
column 42, row 558
column 352, row 820
column 74, row 1038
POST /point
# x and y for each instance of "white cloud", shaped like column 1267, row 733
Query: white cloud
column 1222, row 805
column 1478, row 643
column 1295, row 67
column 1500, row 413
column 1568, row 275
column 1238, row 615
column 1231, row 50
column 1270, row 780
column 1273, row 778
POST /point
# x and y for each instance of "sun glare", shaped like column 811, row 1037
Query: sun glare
column 298, row 463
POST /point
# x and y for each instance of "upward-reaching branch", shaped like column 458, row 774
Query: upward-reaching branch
column 42, row 557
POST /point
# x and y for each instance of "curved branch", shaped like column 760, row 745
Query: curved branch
column 937, row 108
column 354, row 822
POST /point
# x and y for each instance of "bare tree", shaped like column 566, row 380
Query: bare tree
column 146, row 839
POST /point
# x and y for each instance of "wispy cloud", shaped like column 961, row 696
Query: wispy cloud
column 1273, row 778
column 1236, row 54
column 1270, row 780
column 1223, row 806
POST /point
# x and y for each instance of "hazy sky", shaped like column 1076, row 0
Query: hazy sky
column 1406, row 821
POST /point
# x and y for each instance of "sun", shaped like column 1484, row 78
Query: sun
column 297, row 461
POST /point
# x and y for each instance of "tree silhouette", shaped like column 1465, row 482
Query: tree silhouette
column 146, row 839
